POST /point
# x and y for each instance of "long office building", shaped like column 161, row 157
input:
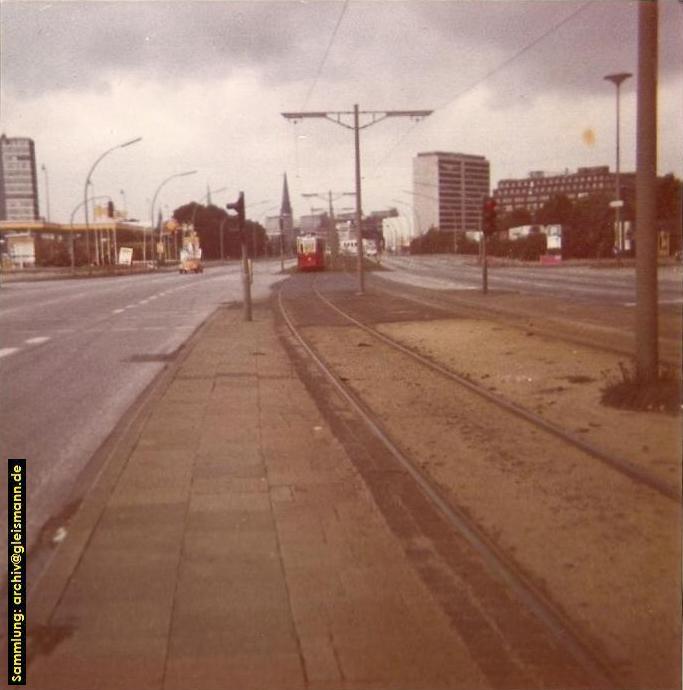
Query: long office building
column 18, row 179
column 532, row 192
column 448, row 191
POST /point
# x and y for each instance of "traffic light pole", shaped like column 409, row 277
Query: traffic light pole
column 375, row 117
column 246, row 283
column 484, row 266
column 488, row 226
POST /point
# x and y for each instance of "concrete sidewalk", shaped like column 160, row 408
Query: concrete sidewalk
column 233, row 545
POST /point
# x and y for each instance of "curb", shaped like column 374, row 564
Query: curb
column 95, row 485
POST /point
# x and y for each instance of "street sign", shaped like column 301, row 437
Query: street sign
column 125, row 256
column 616, row 204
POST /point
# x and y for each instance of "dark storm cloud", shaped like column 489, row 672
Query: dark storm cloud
column 67, row 45
column 520, row 49
column 384, row 48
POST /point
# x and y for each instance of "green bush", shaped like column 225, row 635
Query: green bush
column 434, row 241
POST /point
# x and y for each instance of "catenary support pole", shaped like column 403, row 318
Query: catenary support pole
column 646, row 195
column 374, row 116
column 359, row 205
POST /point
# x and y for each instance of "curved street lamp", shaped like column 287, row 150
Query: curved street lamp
column 414, row 231
column 87, row 182
column 154, row 198
column 71, row 224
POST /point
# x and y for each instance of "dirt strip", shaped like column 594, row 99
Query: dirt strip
column 605, row 549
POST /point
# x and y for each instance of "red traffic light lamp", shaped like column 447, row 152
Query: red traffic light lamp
column 489, row 213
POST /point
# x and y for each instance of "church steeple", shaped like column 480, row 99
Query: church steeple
column 286, row 207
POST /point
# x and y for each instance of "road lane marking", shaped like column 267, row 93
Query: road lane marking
column 37, row 340
column 661, row 301
column 129, row 306
column 117, row 311
column 4, row 351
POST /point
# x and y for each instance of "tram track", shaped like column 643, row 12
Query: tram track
column 504, row 567
column 602, row 338
column 619, row 464
column 557, row 329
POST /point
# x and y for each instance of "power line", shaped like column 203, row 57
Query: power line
column 519, row 53
column 327, row 51
column 371, row 117
column 495, row 70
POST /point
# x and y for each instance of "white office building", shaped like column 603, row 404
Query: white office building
column 448, row 190
column 18, row 181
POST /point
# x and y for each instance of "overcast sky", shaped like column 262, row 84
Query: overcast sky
column 204, row 83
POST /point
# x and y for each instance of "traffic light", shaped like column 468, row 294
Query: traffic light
column 488, row 216
column 239, row 207
column 110, row 209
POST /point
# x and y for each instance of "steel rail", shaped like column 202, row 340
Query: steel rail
column 449, row 306
column 497, row 561
column 621, row 465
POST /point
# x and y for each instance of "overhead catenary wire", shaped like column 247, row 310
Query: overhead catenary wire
column 315, row 81
column 489, row 74
column 327, row 52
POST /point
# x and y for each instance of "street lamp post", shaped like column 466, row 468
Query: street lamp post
column 154, row 198
column 125, row 204
column 87, row 182
column 71, row 233
column 617, row 80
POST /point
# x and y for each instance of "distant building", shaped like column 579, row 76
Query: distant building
column 287, row 226
column 315, row 224
column 532, row 192
column 282, row 224
column 18, row 179
column 448, row 190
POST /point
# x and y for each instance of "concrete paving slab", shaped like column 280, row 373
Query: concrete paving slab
column 239, row 548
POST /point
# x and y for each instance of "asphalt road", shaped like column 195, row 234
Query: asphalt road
column 605, row 286
column 75, row 354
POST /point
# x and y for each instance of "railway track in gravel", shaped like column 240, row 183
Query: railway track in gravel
column 500, row 564
column 619, row 464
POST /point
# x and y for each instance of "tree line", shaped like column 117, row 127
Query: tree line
column 211, row 222
column 587, row 226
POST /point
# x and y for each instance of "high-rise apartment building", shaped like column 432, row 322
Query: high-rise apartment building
column 448, row 191
column 18, row 179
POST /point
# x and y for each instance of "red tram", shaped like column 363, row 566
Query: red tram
column 310, row 253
